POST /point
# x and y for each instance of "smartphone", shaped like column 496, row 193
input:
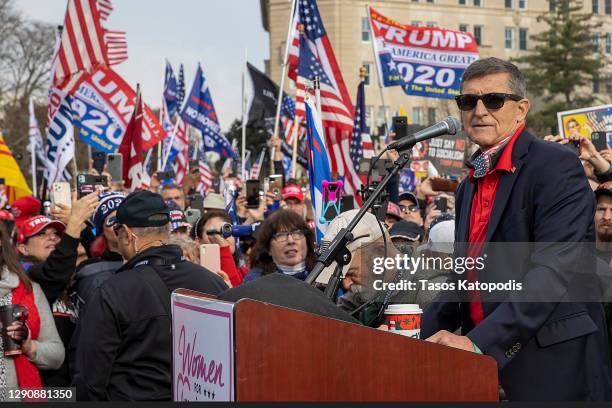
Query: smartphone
column 442, row 184
column 599, row 140
column 192, row 215
column 196, row 201
column 165, row 175
column 252, row 193
column 441, row 204
column 115, row 166
column 86, row 183
column 348, row 203
column 574, row 146
column 2, row 181
column 400, row 127
column 60, row 194
column 210, row 257
column 99, row 160
column 276, row 186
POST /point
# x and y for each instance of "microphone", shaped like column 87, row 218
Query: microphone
column 448, row 126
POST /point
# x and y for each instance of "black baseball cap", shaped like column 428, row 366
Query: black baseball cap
column 407, row 230
column 143, row 209
column 410, row 197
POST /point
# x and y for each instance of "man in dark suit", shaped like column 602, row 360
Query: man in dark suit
column 523, row 189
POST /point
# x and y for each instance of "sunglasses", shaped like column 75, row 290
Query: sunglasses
column 492, row 101
column 409, row 208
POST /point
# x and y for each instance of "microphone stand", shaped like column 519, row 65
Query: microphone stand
column 337, row 250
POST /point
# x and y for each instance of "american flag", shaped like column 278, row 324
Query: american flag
column 106, row 8
column 116, row 46
column 317, row 58
column 287, row 121
column 361, row 142
column 82, row 45
column 206, row 176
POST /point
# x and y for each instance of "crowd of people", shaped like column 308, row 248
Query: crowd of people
column 96, row 277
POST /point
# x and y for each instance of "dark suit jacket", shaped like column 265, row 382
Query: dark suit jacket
column 551, row 350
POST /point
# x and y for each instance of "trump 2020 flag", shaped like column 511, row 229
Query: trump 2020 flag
column 424, row 61
column 60, row 136
column 170, row 91
column 319, row 168
column 199, row 112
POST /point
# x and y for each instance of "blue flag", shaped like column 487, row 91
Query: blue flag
column 171, row 91
column 199, row 112
column 319, row 169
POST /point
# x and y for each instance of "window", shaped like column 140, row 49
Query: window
column 596, row 84
column 609, row 84
column 595, row 6
column 608, row 7
column 462, row 2
column 478, row 3
column 508, row 3
column 416, row 23
column 370, row 116
column 368, row 67
column 522, row 4
column 523, row 39
column 431, row 24
column 595, row 43
column 431, row 116
column 365, row 30
column 463, row 27
column 416, row 115
column 381, row 119
column 552, row 6
column 608, row 43
column 478, row 34
column 430, row 1
column 509, row 38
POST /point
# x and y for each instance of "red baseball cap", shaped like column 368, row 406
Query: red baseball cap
column 24, row 208
column 36, row 225
column 393, row 210
column 293, row 191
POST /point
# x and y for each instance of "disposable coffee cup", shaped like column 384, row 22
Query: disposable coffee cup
column 8, row 315
column 404, row 319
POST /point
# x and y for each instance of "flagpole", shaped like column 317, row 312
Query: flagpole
column 317, row 89
column 380, row 83
column 243, row 154
column 279, row 100
column 294, row 130
column 33, row 154
column 170, row 145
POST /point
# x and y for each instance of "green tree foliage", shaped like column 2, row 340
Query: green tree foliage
column 560, row 69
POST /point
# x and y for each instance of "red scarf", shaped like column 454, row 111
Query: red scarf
column 27, row 373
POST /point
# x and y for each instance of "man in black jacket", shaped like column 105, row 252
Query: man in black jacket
column 125, row 347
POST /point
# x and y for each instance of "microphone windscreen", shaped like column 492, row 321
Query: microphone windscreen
column 453, row 125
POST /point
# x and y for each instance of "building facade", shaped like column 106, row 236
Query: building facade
column 500, row 27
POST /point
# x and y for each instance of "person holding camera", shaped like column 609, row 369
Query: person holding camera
column 125, row 347
column 32, row 337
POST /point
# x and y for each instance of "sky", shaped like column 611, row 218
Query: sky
column 212, row 32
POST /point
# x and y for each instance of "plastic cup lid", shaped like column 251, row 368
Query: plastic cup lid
column 403, row 308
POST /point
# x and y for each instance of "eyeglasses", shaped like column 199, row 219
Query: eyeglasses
column 492, row 101
column 296, row 235
column 110, row 221
column 409, row 208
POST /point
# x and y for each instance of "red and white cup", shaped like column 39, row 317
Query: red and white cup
column 404, row 319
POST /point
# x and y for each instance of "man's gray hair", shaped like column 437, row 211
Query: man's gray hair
column 492, row 65
column 163, row 231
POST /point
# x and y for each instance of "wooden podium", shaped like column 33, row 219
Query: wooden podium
column 279, row 354
column 287, row 355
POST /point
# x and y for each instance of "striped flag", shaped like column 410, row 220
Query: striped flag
column 317, row 59
column 179, row 153
column 82, row 45
column 361, row 142
column 35, row 137
column 116, row 46
column 206, row 176
column 106, row 8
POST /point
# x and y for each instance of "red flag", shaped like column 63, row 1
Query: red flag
column 131, row 148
